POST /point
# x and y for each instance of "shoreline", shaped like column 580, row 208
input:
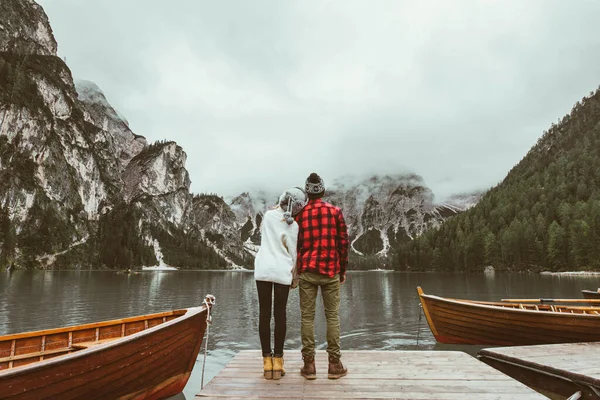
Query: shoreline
column 571, row 273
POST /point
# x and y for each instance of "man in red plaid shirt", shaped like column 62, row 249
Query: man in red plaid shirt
column 322, row 261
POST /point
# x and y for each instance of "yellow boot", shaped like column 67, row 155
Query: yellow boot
column 268, row 367
column 278, row 370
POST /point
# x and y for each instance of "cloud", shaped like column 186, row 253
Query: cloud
column 263, row 93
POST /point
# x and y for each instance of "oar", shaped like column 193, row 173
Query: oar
column 541, row 300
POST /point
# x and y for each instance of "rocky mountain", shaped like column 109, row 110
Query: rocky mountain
column 114, row 128
column 381, row 211
column 24, row 29
column 78, row 189
column 248, row 209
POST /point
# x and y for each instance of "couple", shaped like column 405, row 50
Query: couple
column 304, row 243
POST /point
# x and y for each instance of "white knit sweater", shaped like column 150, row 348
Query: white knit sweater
column 276, row 258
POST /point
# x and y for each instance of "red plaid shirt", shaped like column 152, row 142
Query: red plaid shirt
column 322, row 240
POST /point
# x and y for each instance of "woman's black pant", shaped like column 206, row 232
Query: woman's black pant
column 265, row 299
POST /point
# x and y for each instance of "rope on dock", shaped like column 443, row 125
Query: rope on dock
column 209, row 301
column 419, row 324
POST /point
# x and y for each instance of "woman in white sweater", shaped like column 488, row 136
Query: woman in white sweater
column 274, row 271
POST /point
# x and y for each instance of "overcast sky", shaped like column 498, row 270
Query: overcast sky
column 261, row 93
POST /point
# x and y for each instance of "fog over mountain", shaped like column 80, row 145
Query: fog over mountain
column 456, row 92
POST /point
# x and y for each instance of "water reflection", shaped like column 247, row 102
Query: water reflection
column 379, row 311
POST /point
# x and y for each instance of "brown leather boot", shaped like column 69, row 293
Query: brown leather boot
column 336, row 368
column 309, row 371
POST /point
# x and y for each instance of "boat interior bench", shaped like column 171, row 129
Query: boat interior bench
column 74, row 347
column 36, row 354
column 85, row 345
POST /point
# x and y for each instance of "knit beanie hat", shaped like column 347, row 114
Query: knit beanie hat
column 314, row 184
column 292, row 201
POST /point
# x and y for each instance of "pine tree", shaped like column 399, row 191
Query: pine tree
column 557, row 249
column 581, row 243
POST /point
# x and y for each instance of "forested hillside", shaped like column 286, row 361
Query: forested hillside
column 545, row 215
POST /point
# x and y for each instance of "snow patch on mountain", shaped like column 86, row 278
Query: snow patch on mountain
column 158, row 254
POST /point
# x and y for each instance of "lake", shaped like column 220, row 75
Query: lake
column 379, row 310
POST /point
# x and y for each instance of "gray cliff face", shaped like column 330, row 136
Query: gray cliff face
column 51, row 179
column 214, row 220
column 381, row 211
column 249, row 209
column 158, row 170
column 157, row 182
column 24, row 28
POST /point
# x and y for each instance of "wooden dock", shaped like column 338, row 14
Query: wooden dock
column 431, row 375
column 557, row 370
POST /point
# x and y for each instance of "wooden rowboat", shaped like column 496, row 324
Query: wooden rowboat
column 510, row 323
column 590, row 294
column 555, row 370
column 144, row 357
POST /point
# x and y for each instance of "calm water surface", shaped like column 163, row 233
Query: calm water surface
column 379, row 310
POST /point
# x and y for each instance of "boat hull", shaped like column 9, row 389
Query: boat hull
column 464, row 322
column 550, row 385
column 154, row 363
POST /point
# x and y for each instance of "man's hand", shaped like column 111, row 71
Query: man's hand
column 342, row 278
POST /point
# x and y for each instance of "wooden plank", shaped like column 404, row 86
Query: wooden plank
column 546, row 349
column 418, row 375
column 546, row 301
column 399, row 356
column 560, row 369
column 567, row 357
column 85, row 345
column 413, row 386
column 35, row 355
column 430, row 375
column 398, row 394
column 295, row 379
